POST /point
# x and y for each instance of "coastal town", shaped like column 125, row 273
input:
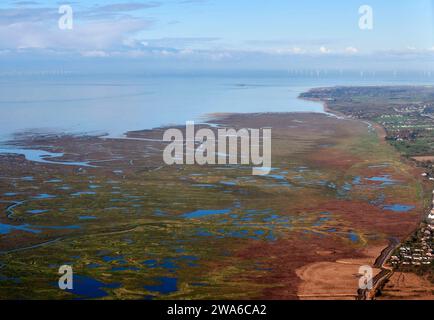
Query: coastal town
column 407, row 118
column 417, row 251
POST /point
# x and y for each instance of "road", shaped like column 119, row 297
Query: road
column 383, row 275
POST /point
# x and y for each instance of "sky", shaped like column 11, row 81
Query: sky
column 217, row 34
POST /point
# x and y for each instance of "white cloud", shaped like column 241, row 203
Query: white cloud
column 86, row 36
column 130, row 6
column 297, row 50
column 95, row 28
column 324, row 50
column 293, row 50
column 95, row 54
column 351, row 50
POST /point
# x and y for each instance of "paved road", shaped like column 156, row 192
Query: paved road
column 383, row 275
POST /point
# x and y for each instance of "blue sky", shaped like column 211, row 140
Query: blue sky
column 223, row 33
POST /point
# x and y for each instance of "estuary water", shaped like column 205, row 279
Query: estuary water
column 115, row 104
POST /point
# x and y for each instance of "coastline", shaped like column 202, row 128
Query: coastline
column 386, row 272
column 295, row 145
column 371, row 259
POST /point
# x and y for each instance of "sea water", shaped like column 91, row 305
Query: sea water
column 115, row 104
